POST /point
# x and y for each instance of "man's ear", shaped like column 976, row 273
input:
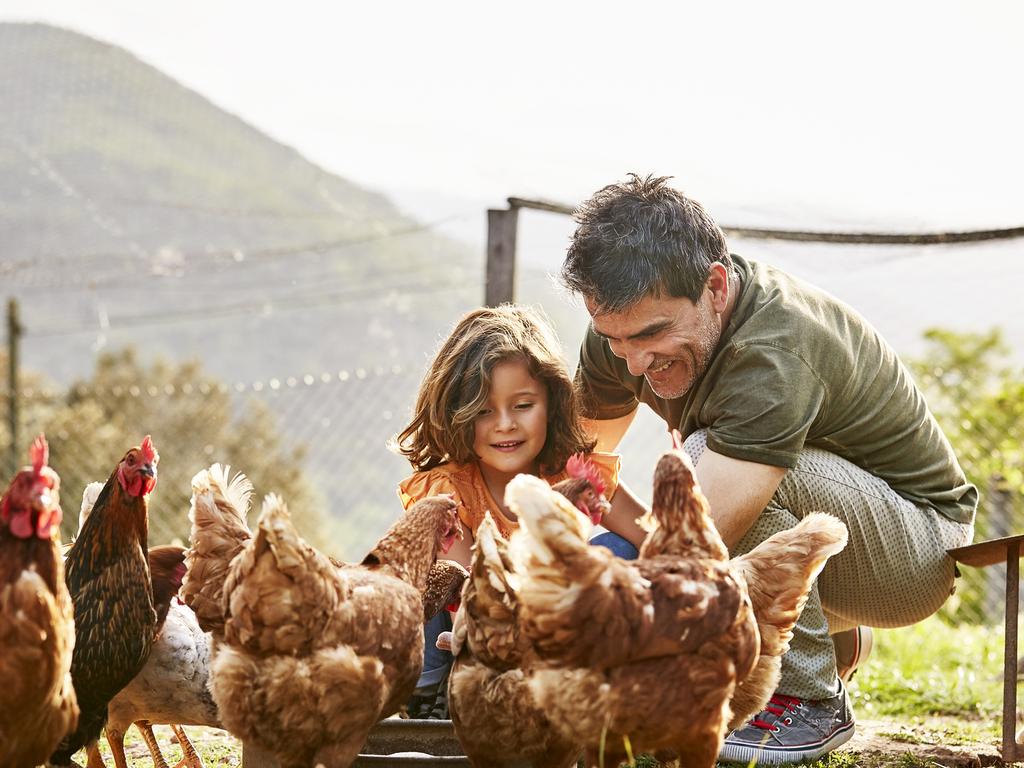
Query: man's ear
column 718, row 284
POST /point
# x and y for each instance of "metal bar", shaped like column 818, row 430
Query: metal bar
column 501, row 256
column 863, row 238
column 1011, row 753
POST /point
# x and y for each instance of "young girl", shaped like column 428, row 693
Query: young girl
column 498, row 401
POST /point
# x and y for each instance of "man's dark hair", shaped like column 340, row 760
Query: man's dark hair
column 641, row 237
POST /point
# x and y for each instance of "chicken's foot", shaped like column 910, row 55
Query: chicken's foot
column 146, row 729
column 190, row 758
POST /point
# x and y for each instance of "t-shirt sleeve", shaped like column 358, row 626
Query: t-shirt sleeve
column 432, row 482
column 764, row 407
column 599, row 381
column 608, row 466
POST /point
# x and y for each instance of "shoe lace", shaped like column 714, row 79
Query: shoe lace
column 778, row 705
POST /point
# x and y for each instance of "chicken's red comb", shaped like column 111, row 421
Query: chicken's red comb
column 149, row 450
column 580, row 467
column 39, row 453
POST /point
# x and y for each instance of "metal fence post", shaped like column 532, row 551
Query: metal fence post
column 14, row 330
column 501, row 255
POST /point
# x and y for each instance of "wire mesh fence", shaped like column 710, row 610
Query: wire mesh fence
column 318, row 440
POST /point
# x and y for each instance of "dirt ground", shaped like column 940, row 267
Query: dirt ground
column 877, row 744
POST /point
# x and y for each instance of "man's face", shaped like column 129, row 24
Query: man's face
column 668, row 340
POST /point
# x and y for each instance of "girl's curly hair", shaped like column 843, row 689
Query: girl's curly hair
column 457, row 386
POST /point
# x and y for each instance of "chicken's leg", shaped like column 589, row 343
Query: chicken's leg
column 115, row 740
column 92, row 751
column 146, row 729
column 190, row 757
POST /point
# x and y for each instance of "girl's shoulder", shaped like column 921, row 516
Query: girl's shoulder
column 458, row 479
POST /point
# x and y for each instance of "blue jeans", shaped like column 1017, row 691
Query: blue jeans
column 437, row 663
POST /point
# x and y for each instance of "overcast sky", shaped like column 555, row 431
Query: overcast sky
column 906, row 114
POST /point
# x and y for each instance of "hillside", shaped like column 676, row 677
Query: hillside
column 130, row 201
column 133, row 212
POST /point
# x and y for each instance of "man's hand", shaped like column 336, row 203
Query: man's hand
column 444, row 641
column 737, row 491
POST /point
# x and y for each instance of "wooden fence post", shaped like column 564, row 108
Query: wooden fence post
column 1000, row 510
column 14, row 330
column 501, row 256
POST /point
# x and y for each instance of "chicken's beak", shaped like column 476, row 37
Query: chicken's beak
column 149, row 470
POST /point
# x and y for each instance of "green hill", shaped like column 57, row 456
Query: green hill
column 129, row 200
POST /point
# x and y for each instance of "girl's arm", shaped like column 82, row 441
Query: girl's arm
column 621, row 519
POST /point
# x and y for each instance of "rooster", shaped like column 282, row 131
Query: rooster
column 37, row 633
column 649, row 653
column 107, row 573
column 493, row 711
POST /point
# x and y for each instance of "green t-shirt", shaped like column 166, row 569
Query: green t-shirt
column 795, row 367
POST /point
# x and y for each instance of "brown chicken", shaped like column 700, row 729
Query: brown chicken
column 650, row 652
column 444, row 586
column 37, row 633
column 493, row 710
column 584, row 488
column 107, row 573
column 219, row 532
column 312, row 654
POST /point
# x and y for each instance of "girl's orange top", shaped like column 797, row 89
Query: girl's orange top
column 472, row 496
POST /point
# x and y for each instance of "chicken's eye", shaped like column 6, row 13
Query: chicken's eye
column 131, row 459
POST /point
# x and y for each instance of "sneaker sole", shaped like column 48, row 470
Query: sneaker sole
column 769, row 755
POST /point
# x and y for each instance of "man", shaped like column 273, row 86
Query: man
column 792, row 403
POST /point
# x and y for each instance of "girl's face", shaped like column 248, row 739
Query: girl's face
column 510, row 431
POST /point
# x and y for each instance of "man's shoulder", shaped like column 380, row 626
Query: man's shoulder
column 783, row 311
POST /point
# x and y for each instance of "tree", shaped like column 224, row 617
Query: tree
column 979, row 401
column 194, row 422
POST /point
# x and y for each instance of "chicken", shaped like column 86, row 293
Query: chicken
column 219, row 532
column 494, row 713
column 584, row 488
column 312, row 654
column 37, row 633
column 172, row 688
column 444, row 586
column 690, row 632
column 649, row 651
column 107, row 573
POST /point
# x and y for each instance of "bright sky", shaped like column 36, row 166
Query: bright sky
column 890, row 113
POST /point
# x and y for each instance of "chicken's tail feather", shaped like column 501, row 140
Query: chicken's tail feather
column 219, row 532
column 781, row 570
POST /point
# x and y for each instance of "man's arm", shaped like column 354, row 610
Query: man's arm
column 609, row 432
column 737, row 491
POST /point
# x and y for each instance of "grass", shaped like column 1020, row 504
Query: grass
column 931, row 684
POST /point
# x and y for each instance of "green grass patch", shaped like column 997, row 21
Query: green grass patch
column 932, row 669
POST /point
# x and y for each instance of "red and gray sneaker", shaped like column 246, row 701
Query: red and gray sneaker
column 791, row 730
